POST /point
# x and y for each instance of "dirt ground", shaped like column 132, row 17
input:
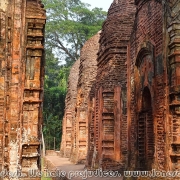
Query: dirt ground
column 76, row 171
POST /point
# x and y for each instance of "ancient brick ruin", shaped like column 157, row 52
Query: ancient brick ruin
column 70, row 114
column 132, row 117
column 21, row 75
column 75, row 123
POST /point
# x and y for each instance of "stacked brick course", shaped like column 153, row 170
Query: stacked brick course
column 147, row 70
column 70, row 113
column 21, row 77
column 173, row 127
column 79, row 111
column 110, row 124
column 133, row 106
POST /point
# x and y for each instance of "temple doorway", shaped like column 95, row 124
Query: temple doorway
column 145, row 133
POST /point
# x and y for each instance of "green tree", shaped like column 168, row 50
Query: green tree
column 54, row 99
column 69, row 24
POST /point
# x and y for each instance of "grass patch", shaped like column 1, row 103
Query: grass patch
column 42, row 167
column 45, row 178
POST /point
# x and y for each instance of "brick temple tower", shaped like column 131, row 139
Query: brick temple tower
column 134, row 103
column 154, row 86
column 75, row 130
column 109, row 144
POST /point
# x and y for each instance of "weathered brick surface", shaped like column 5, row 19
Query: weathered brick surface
column 133, row 106
column 87, row 75
column 173, row 30
column 70, row 113
column 76, row 148
column 147, row 70
column 109, row 118
column 21, row 77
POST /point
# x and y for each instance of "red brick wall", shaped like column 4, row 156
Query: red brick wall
column 133, row 105
column 172, row 25
column 75, row 123
column 147, row 41
column 109, row 122
column 21, row 77
column 67, row 142
column 87, row 75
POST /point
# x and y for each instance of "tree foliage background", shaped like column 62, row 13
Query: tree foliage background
column 69, row 24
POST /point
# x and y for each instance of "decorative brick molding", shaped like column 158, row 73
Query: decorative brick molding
column 133, row 105
column 21, row 77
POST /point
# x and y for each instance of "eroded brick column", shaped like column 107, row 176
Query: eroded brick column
column 173, row 28
column 32, row 83
column 22, row 74
column 15, row 91
column 68, row 142
column 3, row 90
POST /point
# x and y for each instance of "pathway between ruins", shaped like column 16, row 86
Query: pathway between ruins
column 63, row 164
